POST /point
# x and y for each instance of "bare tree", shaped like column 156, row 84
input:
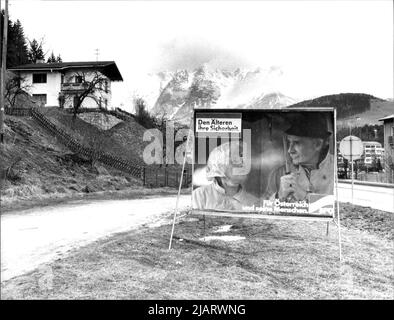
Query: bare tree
column 15, row 86
column 93, row 85
column 143, row 117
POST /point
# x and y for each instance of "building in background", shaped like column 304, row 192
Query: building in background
column 373, row 154
column 372, row 160
column 56, row 84
column 342, row 164
column 388, row 123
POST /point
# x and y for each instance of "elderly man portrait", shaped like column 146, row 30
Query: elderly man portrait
column 309, row 164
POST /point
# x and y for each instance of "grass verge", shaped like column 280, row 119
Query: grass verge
column 274, row 260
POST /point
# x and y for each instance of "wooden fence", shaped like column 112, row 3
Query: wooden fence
column 167, row 176
column 121, row 111
column 20, row 112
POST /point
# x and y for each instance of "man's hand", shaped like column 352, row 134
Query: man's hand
column 289, row 187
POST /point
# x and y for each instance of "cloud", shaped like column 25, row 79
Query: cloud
column 190, row 53
column 252, row 85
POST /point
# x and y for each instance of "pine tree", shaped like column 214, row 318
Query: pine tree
column 52, row 58
column 16, row 43
column 19, row 45
column 18, row 50
column 35, row 51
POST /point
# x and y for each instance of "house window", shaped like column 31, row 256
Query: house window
column 62, row 78
column 106, row 86
column 39, row 78
column 41, row 99
column 106, row 103
column 100, row 100
column 78, row 79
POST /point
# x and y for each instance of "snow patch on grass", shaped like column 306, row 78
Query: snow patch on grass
column 222, row 238
column 224, row 228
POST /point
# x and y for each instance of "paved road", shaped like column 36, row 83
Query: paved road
column 381, row 198
column 30, row 238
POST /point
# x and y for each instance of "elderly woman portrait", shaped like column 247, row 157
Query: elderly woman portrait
column 227, row 175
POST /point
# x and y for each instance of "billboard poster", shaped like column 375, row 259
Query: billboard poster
column 264, row 162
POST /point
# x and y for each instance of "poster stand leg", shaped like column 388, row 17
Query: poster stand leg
column 339, row 230
column 327, row 230
column 204, row 227
column 338, row 222
column 179, row 190
column 336, row 186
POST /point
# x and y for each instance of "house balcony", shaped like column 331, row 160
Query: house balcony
column 73, row 87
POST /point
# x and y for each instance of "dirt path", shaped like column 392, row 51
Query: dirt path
column 30, row 238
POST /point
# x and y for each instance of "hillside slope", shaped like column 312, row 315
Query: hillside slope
column 46, row 169
column 125, row 139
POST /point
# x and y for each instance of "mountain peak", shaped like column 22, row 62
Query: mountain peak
column 216, row 88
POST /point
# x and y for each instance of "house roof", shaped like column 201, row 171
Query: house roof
column 388, row 117
column 108, row 68
column 374, row 143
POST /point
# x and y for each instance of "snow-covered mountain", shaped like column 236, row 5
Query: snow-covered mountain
column 271, row 100
column 174, row 94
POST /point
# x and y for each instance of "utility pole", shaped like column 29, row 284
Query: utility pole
column 3, row 69
column 351, row 154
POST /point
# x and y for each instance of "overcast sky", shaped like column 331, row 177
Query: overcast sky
column 321, row 47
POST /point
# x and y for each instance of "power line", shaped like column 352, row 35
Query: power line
column 97, row 53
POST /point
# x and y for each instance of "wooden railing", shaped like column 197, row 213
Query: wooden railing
column 89, row 153
column 122, row 115
column 21, row 112
column 73, row 86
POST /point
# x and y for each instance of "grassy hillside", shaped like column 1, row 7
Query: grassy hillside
column 125, row 139
column 347, row 104
column 45, row 169
column 129, row 136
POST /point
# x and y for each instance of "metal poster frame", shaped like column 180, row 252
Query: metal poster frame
column 254, row 215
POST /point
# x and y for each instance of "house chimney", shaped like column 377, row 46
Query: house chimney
column 40, row 61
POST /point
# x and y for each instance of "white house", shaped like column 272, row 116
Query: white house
column 58, row 84
column 388, row 123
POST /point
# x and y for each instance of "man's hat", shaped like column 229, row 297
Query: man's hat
column 309, row 124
